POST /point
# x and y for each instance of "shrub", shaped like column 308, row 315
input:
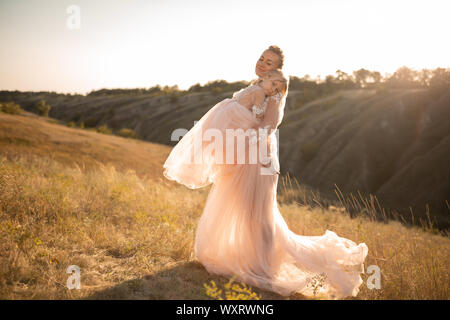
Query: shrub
column 71, row 124
column 104, row 129
column 127, row 133
column 43, row 108
column 11, row 108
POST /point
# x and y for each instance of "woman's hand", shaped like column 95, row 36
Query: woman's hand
column 266, row 165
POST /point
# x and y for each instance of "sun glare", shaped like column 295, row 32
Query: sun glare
column 183, row 43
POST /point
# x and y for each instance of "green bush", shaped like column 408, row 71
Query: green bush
column 10, row 108
column 43, row 108
column 81, row 125
column 127, row 133
column 104, row 129
column 71, row 124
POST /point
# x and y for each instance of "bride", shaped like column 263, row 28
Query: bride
column 241, row 232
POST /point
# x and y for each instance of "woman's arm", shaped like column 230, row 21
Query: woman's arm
column 272, row 118
column 258, row 97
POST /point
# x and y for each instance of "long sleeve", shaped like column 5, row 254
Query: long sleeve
column 258, row 97
column 272, row 116
column 272, row 119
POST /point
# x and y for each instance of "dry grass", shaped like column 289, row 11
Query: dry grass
column 132, row 235
column 133, row 238
column 414, row 261
column 114, row 226
column 33, row 135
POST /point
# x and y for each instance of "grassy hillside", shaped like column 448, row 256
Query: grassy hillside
column 30, row 134
column 74, row 197
column 393, row 144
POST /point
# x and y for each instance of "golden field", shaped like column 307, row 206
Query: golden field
column 76, row 197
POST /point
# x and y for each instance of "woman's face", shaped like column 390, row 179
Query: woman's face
column 268, row 61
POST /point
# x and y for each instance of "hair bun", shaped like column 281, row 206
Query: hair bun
column 279, row 53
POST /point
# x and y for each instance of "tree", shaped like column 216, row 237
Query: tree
column 440, row 81
column 425, row 77
column 43, row 108
column 345, row 80
column 362, row 77
column 404, row 78
column 376, row 76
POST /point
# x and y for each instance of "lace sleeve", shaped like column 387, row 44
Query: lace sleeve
column 272, row 119
column 258, row 102
column 273, row 114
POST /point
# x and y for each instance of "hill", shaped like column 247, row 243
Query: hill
column 131, row 233
column 31, row 135
column 392, row 144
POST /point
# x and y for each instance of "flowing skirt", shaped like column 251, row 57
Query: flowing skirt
column 242, row 233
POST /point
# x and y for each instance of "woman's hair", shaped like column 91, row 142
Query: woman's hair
column 275, row 75
column 279, row 53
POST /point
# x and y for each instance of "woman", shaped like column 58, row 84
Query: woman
column 241, row 232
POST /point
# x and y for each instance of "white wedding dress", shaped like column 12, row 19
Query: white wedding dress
column 241, row 232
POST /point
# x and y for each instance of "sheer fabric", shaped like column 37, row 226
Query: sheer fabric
column 241, row 232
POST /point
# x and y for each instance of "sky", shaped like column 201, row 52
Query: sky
column 47, row 46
